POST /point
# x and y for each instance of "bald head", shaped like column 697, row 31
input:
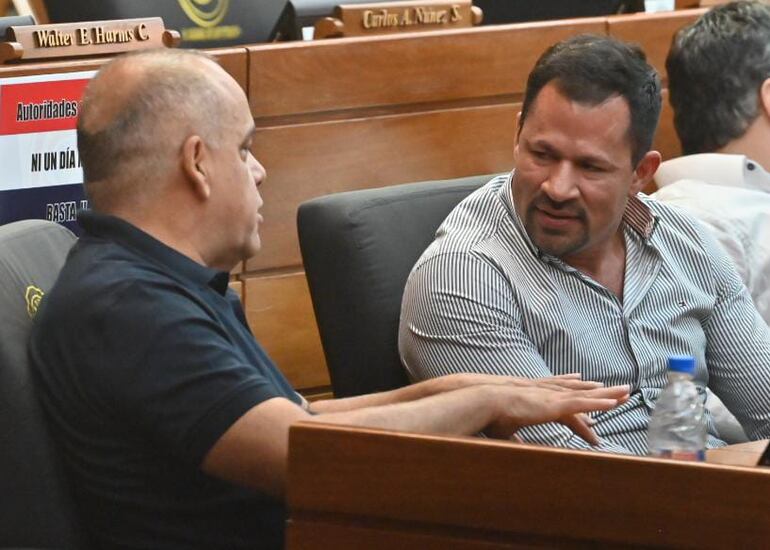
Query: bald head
column 137, row 112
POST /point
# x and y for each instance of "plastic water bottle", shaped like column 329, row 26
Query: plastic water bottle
column 678, row 425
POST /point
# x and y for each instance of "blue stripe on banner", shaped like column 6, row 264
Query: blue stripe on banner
column 59, row 203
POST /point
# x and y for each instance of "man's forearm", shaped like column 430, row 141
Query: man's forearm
column 412, row 392
column 499, row 408
column 451, row 382
column 254, row 449
column 462, row 411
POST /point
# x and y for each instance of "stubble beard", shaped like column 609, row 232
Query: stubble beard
column 557, row 243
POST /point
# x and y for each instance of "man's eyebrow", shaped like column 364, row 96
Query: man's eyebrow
column 541, row 144
column 249, row 134
column 587, row 159
column 597, row 160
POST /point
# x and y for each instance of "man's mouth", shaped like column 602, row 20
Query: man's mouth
column 556, row 213
column 550, row 218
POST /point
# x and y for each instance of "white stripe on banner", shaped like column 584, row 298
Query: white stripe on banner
column 39, row 160
column 46, row 78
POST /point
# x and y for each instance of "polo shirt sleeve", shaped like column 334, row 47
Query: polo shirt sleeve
column 459, row 314
column 167, row 368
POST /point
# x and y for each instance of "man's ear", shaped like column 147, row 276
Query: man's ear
column 195, row 165
column 644, row 171
column 516, row 139
column 764, row 97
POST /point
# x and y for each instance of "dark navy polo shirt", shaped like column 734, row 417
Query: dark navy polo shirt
column 144, row 360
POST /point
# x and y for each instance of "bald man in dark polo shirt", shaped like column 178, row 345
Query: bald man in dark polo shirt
column 172, row 420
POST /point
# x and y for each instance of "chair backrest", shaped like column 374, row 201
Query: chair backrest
column 358, row 248
column 34, row 507
column 14, row 21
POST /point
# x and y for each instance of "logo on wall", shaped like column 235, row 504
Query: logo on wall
column 205, row 13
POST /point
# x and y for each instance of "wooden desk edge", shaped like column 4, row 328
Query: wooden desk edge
column 738, row 455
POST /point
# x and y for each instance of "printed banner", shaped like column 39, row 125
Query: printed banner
column 40, row 173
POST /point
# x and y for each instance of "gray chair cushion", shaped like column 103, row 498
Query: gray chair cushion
column 34, row 509
column 358, row 249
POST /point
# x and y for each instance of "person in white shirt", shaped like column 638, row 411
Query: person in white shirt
column 719, row 86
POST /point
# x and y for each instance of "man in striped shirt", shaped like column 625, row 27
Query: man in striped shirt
column 562, row 266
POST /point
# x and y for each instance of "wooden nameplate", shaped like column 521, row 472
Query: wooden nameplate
column 396, row 17
column 85, row 39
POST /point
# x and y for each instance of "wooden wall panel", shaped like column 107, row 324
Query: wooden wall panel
column 235, row 62
column 237, row 286
column 311, row 160
column 382, row 151
column 49, row 67
column 336, row 75
column 281, row 317
column 686, row 4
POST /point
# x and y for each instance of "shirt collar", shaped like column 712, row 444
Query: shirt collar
column 130, row 236
column 714, row 169
column 637, row 217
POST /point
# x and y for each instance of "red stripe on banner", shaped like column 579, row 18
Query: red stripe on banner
column 40, row 106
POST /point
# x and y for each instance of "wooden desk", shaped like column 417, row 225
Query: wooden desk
column 357, row 488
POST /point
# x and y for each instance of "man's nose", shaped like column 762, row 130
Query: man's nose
column 257, row 170
column 561, row 184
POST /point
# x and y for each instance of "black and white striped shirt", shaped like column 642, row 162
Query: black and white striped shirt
column 483, row 298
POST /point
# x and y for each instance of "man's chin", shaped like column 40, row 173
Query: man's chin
column 252, row 250
column 557, row 242
column 557, row 248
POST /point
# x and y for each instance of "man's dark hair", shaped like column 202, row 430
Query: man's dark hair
column 590, row 69
column 715, row 69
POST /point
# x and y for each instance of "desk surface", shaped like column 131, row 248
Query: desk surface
column 742, row 454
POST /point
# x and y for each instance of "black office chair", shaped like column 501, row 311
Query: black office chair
column 358, row 249
column 35, row 511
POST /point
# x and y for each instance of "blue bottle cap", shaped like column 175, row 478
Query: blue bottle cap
column 682, row 363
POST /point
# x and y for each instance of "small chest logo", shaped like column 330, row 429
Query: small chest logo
column 33, row 295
